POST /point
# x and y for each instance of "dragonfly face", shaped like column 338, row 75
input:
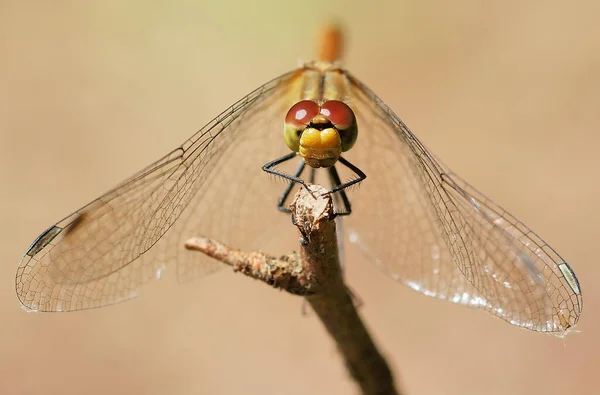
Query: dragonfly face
column 320, row 133
column 318, row 128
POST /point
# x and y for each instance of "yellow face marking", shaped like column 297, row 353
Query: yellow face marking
column 320, row 148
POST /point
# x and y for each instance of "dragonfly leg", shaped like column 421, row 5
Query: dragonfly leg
column 335, row 182
column 292, row 179
column 288, row 189
column 356, row 170
column 338, row 186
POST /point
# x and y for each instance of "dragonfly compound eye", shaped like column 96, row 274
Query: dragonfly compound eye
column 342, row 117
column 296, row 120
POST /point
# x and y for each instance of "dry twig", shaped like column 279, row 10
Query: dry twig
column 315, row 274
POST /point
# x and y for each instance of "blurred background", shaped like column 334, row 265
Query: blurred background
column 506, row 93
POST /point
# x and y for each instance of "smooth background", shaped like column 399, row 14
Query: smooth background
column 507, row 94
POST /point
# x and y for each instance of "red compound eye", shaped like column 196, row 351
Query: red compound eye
column 338, row 113
column 302, row 113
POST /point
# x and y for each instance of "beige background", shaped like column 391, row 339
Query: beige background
column 507, row 94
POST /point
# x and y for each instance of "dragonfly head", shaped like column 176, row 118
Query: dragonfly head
column 320, row 133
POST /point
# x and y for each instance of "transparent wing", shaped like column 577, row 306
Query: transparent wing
column 104, row 251
column 430, row 230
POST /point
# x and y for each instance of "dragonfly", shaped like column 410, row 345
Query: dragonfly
column 412, row 217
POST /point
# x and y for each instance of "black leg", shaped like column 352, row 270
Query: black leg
column 288, row 189
column 337, row 185
column 335, row 182
column 269, row 168
column 356, row 170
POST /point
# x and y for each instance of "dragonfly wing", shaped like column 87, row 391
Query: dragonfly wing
column 237, row 203
column 103, row 252
column 430, row 230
